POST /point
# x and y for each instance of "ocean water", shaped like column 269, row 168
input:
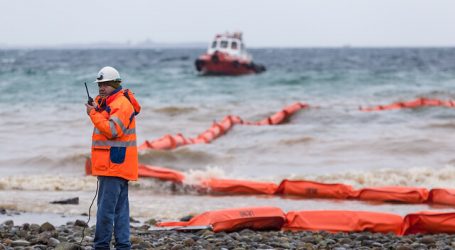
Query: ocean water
column 46, row 134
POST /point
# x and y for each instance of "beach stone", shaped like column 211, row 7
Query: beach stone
column 136, row 240
column 44, row 237
column 46, row 226
column 132, row 220
column 34, row 227
column 80, row 223
column 207, row 233
column 427, row 239
column 418, row 246
column 345, row 241
column 235, row 236
column 72, row 201
column 247, row 232
column 8, row 223
column 88, row 238
column 53, row 242
column 264, row 246
column 62, row 239
column 2, row 247
column 186, row 218
column 403, row 247
column 309, row 239
column 40, row 247
column 363, row 237
column 26, row 226
column 145, row 245
column 7, row 242
column 151, row 222
column 376, row 244
column 22, row 233
column 20, row 243
column 188, row 242
column 68, row 246
column 177, row 247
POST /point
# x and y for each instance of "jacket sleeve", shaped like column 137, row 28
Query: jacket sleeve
column 118, row 121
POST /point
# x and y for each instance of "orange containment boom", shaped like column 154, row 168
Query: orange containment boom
column 343, row 221
column 302, row 188
column 255, row 218
column 394, row 194
column 272, row 218
column 443, row 196
column 311, row 189
column 239, row 186
column 429, row 222
column 163, row 174
column 419, row 102
column 219, row 128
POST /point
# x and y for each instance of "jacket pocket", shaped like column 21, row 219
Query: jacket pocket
column 117, row 155
column 100, row 159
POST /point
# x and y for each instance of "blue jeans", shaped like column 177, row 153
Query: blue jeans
column 113, row 213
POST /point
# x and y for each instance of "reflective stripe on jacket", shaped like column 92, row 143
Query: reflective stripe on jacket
column 114, row 150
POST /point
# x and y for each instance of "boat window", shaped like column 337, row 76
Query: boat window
column 234, row 45
column 214, row 44
column 224, row 44
column 242, row 47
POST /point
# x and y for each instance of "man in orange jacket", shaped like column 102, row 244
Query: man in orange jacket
column 114, row 157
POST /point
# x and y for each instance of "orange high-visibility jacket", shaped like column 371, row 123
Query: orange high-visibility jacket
column 114, row 149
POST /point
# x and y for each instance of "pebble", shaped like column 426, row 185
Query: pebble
column 427, row 240
column 46, row 226
column 20, row 243
column 80, row 223
column 53, row 242
column 9, row 223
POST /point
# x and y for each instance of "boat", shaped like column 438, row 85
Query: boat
column 227, row 55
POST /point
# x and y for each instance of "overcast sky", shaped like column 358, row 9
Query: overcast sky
column 280, row 23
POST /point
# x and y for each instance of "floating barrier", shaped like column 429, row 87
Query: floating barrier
column 273, row 218
column 160, row 173
column 307, row 189
column 217, row 129
column 343, row 221
column 239, row 186
column 429, row 222
column 394, row 194
column 255, row 218
column 311, row 189
column 419, row 102
column 442, row 196
column 302, row 188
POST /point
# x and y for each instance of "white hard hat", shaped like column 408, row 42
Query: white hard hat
column 107, row 74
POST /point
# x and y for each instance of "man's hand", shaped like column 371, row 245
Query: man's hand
column 90, row 107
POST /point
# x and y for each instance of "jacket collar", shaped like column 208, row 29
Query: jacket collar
column 114, row 95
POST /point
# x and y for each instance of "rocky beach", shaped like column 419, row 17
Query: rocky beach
column 145, row 236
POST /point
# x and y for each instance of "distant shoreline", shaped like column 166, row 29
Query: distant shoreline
column 200, row 47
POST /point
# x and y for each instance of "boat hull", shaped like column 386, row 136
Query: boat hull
column 218, row 64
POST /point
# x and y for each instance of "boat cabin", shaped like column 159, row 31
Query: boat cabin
column 230, row 44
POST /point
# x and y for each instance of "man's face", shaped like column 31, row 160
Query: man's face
column 105, row 89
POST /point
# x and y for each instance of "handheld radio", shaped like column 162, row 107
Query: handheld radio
column 90, row 99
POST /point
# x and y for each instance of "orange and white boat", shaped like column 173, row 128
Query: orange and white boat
column 227, row 56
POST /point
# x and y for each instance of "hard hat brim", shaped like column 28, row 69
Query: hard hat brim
column 108, row 80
